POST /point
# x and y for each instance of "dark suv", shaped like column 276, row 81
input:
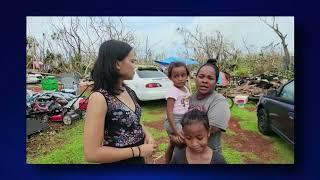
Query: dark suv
column 276, row 112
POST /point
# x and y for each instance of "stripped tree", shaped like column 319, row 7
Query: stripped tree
column 275, row 28
column 203, row 45
column 78, row 39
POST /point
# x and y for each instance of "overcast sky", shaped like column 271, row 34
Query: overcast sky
column 161, row 31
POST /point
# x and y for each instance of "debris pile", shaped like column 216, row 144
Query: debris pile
column 258, row 85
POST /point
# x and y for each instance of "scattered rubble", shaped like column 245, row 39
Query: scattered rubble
column 258, row 85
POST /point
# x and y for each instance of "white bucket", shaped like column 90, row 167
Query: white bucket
column 241, row 100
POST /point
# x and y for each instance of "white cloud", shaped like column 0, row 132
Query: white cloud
column 250, row 28
column 161, row 31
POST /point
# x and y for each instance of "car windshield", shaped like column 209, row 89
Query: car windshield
column 149, row 73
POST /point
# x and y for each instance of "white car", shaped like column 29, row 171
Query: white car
column 149, row 83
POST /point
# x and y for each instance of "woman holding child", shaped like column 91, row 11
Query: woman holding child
column 217, row 110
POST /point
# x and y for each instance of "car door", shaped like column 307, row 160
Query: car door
column 282, row 112
column 287, row 121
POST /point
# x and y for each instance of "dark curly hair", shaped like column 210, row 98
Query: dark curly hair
column 104, row 72
column 213, row 64
column 195, row 116
column 174, row 65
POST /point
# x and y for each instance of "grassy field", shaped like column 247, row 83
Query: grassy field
column 242, row 143
column 64, row 147
column 266, row 149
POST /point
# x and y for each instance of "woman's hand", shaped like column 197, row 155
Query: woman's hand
column 147, row 149
column 148, row 139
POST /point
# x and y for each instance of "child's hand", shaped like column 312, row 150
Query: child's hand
column 176, row 139
column 180, row 134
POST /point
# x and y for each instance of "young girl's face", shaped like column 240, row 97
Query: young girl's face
column 179, row 76
column 196, row 137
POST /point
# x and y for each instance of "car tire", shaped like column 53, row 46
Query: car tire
column 263, row 122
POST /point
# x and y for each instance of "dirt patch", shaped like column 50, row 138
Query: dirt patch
column 36, row 142
column 157, row 113
column 251, row 109
column 157, row 158
column 57, row 126
column 155, row 124
column 250, row 142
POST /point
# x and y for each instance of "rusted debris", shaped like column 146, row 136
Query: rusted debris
column 258, row 85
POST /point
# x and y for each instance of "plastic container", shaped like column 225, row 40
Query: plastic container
column 241, row 100
column 50, row 83
column 240, row 103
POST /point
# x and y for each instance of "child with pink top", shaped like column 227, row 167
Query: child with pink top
column 177, row 104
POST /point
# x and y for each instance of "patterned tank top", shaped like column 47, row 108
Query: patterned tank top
column 122, row 125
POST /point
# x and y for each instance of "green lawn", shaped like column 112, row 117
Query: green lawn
column 65, row 147
column 248, row 121
column 231, row 155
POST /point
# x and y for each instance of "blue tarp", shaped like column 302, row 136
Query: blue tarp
column 169, row 60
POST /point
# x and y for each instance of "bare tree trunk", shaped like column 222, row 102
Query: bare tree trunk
column 146, row 50
column 275, row 28
column 286, row 57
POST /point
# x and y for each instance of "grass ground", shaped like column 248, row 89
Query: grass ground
column 242, row 143
column 64, row 147
column 264, row 149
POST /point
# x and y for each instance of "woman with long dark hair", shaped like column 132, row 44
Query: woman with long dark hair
column 113, row 132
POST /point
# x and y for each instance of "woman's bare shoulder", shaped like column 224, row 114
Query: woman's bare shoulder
column 96, row 94
column 96, row 105
column 96, row 98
